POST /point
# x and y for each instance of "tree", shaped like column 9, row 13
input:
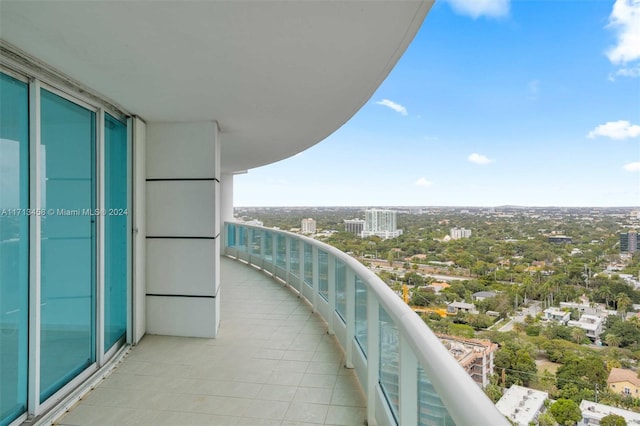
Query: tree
column 578, row 334
column 613, row 420
column 566, row 412
column 623, row 301
column 612, row 340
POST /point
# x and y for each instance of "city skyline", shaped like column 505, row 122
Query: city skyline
column 494, row 103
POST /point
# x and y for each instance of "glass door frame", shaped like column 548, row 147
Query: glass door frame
column 38, row 80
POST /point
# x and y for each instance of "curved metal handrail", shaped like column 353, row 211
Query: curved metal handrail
column 462, row 397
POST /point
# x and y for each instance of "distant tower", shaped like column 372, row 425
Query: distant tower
column 629, row 242
column 457, row 233
column 380, row 223
column 355, row 226
column 308, row 226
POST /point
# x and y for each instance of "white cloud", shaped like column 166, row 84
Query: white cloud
column 620, row 129
column 632, row 167
column 625, row 72
column 477, row 8
column 625, row 21
column 424, row 182
column 394, row 106
column 479, row 159
column 534, row 89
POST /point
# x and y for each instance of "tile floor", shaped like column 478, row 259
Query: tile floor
column 273, row 364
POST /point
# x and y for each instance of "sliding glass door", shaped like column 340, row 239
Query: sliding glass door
column 116, row 254
column 14, row 247
column 68, row 241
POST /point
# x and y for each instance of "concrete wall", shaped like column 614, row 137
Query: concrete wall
column 182, row 229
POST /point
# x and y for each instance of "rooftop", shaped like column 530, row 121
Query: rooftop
column 623, row 375
column 521, row 404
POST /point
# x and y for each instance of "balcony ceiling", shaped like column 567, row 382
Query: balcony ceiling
column 278, row 76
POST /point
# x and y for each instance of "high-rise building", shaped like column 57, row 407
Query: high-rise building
column 380, row 223
column 629, row 242
column 355, row 226
column 308, row 226
column 457, row 233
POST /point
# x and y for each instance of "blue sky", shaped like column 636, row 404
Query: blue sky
column 495, row 102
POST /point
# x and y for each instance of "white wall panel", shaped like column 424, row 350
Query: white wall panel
column 181, row 208
column 182, row 150
column 181, row 316
column 181, row 266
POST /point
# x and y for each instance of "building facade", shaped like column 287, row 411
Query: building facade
column 354, row 226
column 475, row 356
column 629, row 242
column 457, row 233
column 380, row 223
column 308, row 226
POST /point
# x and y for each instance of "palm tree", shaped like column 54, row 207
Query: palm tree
column 623, row 301
column 578, row 334
column 612, row 340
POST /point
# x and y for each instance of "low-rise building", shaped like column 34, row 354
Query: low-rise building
column 558, row 315
column 474, row 355
column 455, row 307
column 592, row 413
column 522, row 405
column 624, row 382
column 481, row 295
column 591, row 324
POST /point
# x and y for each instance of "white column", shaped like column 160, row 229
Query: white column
column 183, row 228
column 226, row 197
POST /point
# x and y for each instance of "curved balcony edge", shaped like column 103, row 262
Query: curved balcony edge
column 388, row 360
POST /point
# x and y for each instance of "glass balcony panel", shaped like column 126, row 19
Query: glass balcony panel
column 281, row 250
column 308, row 264
column 14, row 247
column 323, row 274
column 431, row 411
column 231, row 235
column 242, row 239
column 341, row 290
column 294, row 257
column 361, row 315
column 389, row 361
column 268, row 246
column 255, row 241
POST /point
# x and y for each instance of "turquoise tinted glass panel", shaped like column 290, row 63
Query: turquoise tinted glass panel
column 431, row 411
column 323, row 274
column 14, row 247
column 281, row 250
column 308, row 264
column 67, row 324
column 294, row 257
column 267, row 254
column 389, row 361
column 231, row 235
column 361, row 315
column 116, row 217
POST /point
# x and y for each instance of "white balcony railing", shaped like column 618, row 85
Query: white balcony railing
column 408, row 377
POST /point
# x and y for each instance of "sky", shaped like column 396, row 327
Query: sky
column 495, row 102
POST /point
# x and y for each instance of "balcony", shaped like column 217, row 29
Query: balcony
column 308, row 336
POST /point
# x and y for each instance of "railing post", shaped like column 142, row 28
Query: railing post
column 331, row 293
column 287, row 259
column 351, row 316
column 301, row 267
column 274, row 252
column 316, row 278
column 408, row 395
column 373, row 354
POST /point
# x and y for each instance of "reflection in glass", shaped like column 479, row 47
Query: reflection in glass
column 389, row 360
column 361, row 315
column 67, row 323
column 14, row 247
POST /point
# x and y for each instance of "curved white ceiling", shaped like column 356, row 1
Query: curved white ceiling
column 278, row 76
